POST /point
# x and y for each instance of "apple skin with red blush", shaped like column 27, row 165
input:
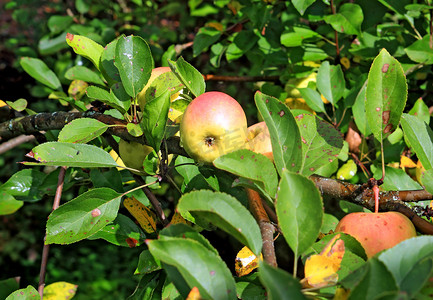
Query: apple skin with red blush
column 377, row 231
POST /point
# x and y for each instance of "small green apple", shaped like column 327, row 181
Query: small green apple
column 213, row 124
column 377, row 231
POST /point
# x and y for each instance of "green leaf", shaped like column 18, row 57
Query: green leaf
column 225, row 212
column 251, row 165
column 167, row 81
column 147, row 263
column 121, row 232
column 83, row 73
column 107, row 67
column 134, row 129
column 420, row 137
column 330, row 82
column 396, row 180
column 83, row 216
column 358, row 110
column 189, row 76
column 386, row 95
column 8, row 204
column 192, row 177
column 85, row 47
column 348, row 20
column 40, row 71
column 82, row 130
column 370, row 280
column 406, row 269
column 155, row 115
column 302, row 5
column 427, row 180
column 420, row 110
column 198, row 266
column 296, row 36
column 420, row 51
column 108, row 98
column 279, row 284
column 285, row 136
column 313, row 99
column 205, row 37
column 24, row 294
column 25, row 185
column 321, row 143
column 71, row 155
column 134, row 62
column 57, row 24
column 18, row 105
column 243, row 41
column 8, row 286
column 50, row 46
column 300, row 211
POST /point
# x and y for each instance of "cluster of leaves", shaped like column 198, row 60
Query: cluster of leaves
column 269, row 36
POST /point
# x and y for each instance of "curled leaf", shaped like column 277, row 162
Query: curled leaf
column 246, row 261
column 321, row 269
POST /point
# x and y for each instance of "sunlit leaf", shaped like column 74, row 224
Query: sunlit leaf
column 145, row 217
column 246, row 261
column 82, row 130
column 85, row 47
column 60, row 290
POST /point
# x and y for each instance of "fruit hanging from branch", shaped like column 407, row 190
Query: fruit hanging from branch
column 213, row 124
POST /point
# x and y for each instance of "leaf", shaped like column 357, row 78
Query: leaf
column 83, row 216
column 134, row 129
column 8, row 204
column 7, row 286
column 302, row 5
column 71, row 155
column 358, row 110
column 279, row 284
column 313, row 99
column 18, row 105
column 427, row 180
column 155, row 115
column 420, row 137
column 85, row 47
column 147, row 263
column 121, row 232
column 225, row 212
column 406, row 269
column 57, row 24
column 205, row 37
column 134, row 62
column 188, row 75
column 246, row 262
column 321, row 143
column 60, row 290
column 420, row 51
column 296, row 36
column 300, row 211
column 40, row 71
column 194, row 294
column 25, row 185
column 83, row 73
column 107, row 67
column 108, row 98
column 321, row 270
column 145, row 217
column 285, row 136
column 251, row 165
column 420, row 110
column 348, row 20
column 82, row 130
column 27, row 293
column 386, row 95
column 198, row 266
column 330, row 82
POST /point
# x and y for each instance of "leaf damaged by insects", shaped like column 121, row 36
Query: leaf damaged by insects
column 145, row 217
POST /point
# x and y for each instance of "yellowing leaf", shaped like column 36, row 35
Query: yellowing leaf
column 298, row 103
column 117, row 159
column 145, row 217
column 345, row 62
column 406, row 162
column 177, row 218
column 321, row 269
column 246, row 262
column 194, row 294
column 341, row 294
column 77, row 89
column 60, row 291
column 2, row 103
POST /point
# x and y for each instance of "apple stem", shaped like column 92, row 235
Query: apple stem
column 376, row 198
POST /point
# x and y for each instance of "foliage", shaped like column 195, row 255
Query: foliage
column 332, row 80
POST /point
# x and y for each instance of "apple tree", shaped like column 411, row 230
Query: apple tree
column 157, row 160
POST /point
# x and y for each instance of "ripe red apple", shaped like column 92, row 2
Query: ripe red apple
column 377, row 231
column 259, row 139
column 213, row 124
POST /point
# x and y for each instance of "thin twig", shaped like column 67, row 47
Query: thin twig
column 210, row 77
column 337, row 47
column 46, row 248
column 12, row 143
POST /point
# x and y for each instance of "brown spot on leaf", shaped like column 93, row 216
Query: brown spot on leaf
column 388, row 128
column 281, row 113
column 385, row 68
column 132, row 243
column 70, row 36
column 385, row 116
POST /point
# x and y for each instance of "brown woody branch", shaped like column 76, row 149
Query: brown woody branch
column 211, row 77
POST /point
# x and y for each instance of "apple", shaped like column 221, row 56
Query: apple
column 377, row 231
column 213, row 124
column 133, row 154
column 259, row 139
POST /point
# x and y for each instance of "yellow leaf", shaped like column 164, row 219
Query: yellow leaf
column 194, row 294
column 117, row 159
column 177, row 219
column 345, row 62
column 298, row 103
column 60, row 291
column 341, row 294
column 2, row 103
column 77, row 89
column 246, row 262
column 218, row 26
column 406, row 162
column 321, row 269
column 145, row 217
